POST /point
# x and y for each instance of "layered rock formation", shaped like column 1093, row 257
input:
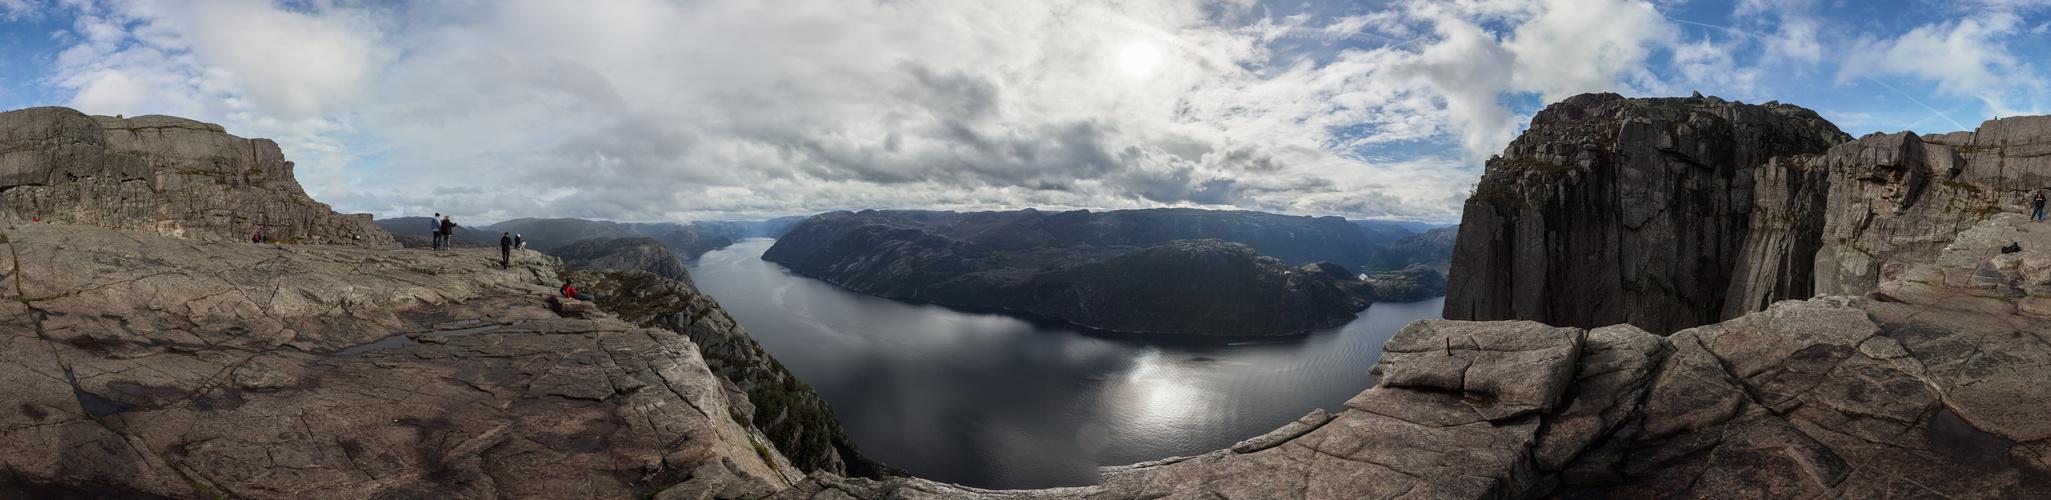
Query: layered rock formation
column 162, row 175
column 1613, row 210
column 1415, row 283
column 1054, row 266
column 1582, row 239
column 146, row 365
column 626, row 254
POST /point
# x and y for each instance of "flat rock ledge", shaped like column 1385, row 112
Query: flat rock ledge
column 140, row 366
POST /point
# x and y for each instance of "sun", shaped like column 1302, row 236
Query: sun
column 1139, row 59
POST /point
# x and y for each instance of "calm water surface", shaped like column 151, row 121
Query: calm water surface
column 999, row 401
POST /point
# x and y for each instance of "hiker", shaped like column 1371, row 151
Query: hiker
column 448, row 228
column 571, row 292
column 434, row 229
column 256, row 238
column 517, row 244
column 506, row 250
column 2037, row 205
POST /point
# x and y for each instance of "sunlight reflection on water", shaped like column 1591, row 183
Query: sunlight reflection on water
column 999, row 401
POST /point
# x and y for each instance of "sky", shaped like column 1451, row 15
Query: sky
column 652, row 110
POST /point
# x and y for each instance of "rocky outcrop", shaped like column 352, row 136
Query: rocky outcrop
column 1613, row 210
column 161, row 175
column 624, row 254
column 1931, row 386
column 1418, row 282
column 1583, row 238
column 797, row 422
column 1432, row 248
column 1019, row 261
column 139, row 365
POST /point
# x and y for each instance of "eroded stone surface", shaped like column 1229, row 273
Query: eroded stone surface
column 219, row 370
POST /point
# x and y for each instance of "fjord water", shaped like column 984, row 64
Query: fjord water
column 994, row 400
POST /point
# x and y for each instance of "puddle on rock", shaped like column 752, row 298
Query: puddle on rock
column 402, row 341
column 468, row 331
column 100, row 407
column 387, row 343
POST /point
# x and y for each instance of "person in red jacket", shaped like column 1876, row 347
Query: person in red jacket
column 571, row 292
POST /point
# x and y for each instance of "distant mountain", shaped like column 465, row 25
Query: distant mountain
column 1157, row 271
column 1382, row 233
column 1414, row 283
column 624, row 254
column 1434, row 248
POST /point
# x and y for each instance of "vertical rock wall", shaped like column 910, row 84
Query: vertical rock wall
column 1673, row 213
column 1611, row 210
column 164, row 175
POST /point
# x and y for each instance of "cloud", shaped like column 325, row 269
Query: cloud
column 658, row 110
column 1965, row 57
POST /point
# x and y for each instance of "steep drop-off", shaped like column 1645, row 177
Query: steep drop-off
column 161, row 175
column 1611, row 210
column 1085, row 269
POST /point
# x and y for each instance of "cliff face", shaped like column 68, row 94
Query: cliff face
column 163, row 175
column 1047, row 265
column 1809, row 221
column 762, row 393
column 1613, row 210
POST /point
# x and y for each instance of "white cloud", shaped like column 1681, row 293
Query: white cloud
column 649, row 110
column 1966, row 57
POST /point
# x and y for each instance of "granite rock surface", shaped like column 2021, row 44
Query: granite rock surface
column 161, row 175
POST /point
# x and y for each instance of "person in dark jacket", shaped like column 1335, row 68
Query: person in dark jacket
column 506, row 250
column 571, row 292
column 2038, row 205
column 434, row 229
column 517, row 244
column 448, row 228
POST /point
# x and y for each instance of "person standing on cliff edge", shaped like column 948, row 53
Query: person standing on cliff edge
column 434, row 229
column 506, row 250
column 448, row 229
column 2037, row 206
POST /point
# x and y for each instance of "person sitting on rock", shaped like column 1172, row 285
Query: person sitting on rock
column 506, row 250
column 571, row 292
column 517, row 244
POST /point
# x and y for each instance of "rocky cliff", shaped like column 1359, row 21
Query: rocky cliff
column 1081, row 268
column 142, row 366
column 797, row 422
column 162, row 175
column 1611, row 210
